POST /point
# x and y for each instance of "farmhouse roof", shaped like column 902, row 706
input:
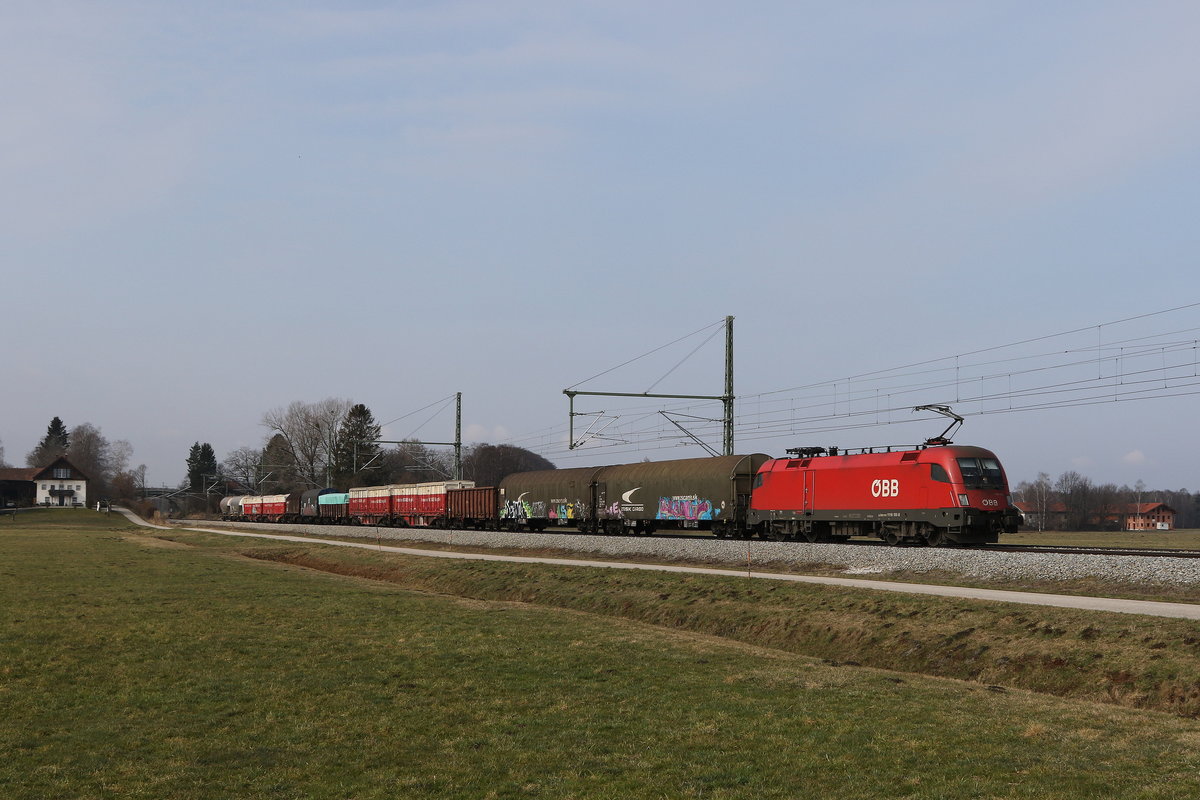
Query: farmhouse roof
column 1148, row 508
column 19, row 473
column 37, row 473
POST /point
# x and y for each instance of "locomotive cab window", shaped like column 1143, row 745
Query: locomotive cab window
column 938, row 473
column 981, row 473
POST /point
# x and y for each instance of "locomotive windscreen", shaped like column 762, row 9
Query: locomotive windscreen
column 981, row 473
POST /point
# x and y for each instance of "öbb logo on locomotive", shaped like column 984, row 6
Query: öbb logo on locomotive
column 885, row 488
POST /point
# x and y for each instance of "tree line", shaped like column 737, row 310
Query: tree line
column 1074, row 502
column 332, row 443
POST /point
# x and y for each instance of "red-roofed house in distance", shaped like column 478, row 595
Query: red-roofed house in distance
column 1131, row 517
column 1150, row 517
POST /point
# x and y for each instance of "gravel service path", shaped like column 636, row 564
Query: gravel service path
column 856, row 560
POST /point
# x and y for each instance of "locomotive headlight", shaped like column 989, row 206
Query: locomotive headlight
column 964, row 501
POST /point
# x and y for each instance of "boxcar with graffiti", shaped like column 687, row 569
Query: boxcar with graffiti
column 550, row 497
column 693, row 493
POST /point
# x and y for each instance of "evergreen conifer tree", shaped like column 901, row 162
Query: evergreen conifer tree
column 53, row 445
column 358, row 437
column 201, row 462
column 280, row 473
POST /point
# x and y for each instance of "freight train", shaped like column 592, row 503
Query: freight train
column 932, row 494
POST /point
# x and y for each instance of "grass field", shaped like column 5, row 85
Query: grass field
column 135, row 666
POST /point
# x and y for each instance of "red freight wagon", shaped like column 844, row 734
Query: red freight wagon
column 472, row 508
column 423, row 503
column 271, row 507
column 402, row 503
column 274, row 505
column 370, row 505
column 928, row 495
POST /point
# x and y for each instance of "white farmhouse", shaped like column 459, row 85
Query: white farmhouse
column 60, row 483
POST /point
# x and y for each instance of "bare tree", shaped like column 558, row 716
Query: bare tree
column 242, row 465
column 1040, row 496
column 128, row 484
column 120, row 453
column 1076, row 493
column 310, row 433
column 91, row 453
column 1111, row 504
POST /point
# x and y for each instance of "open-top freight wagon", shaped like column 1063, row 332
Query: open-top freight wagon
column 402, row 505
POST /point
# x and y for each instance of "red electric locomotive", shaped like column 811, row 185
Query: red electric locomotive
column 933, row 494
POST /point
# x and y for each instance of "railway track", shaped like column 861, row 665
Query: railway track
column 867, row 543
column 1090, row 551
column 1060, row 549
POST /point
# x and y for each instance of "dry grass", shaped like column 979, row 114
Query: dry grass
column 1141, row 662
column 135, row 670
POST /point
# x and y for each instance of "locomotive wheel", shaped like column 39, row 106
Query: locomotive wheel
column 936, row 537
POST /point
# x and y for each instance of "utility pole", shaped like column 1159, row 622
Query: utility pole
column 458, row 436
column 456, row 444
column 726, row 399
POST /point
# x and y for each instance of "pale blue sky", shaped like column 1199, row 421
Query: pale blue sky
column 214, row 210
